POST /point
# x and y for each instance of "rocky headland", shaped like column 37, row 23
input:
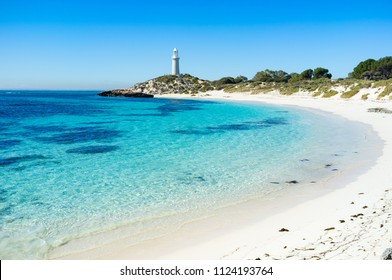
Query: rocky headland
column 182, row 84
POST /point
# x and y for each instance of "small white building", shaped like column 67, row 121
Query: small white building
column 175, row 63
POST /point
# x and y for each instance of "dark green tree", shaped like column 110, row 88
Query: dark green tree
column 271, row 76
column 263, row 76
column 281, row 76
column 294, row 77
column 307, row 74
column 222, row 82
column 320, row 72
column 240, row 79
column 361, row 68
column 383, row 67
column 226, row 80
column 371, row 69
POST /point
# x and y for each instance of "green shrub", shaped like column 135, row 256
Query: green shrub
column 365, row 96
column 166, row 78
column 330, row 93
column 206, row 87
column 263, row 89
column 382, row 83
column 288, row 90
column 317, row 93
column 351, row 92
column 387, row 84
column 387, row 90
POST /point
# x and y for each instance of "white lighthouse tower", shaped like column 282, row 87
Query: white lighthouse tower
column 175, row 63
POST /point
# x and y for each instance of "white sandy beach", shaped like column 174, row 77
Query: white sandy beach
column 349, row 217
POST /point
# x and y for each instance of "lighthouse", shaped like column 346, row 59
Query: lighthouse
column 175, row 63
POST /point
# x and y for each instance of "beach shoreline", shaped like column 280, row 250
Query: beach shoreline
column 347, row 221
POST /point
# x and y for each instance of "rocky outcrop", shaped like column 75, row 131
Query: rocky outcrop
column 183, row 84
column 125, row 93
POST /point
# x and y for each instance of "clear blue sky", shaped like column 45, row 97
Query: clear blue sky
column 78, row 44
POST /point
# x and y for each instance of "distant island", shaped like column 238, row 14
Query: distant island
column 369, row 79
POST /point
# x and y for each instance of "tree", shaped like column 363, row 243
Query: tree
column 371, row 69
column 362, row 67
column 294, row 77
column 281, row 76
column 320, row 72
column 383, row 66
column 271, row 76
column 263, row 76
column 307, row 74
column 226, row 80
column 240, row 79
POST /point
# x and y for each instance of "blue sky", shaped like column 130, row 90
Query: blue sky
column 112, row 44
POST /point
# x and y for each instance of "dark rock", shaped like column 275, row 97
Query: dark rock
column 342, row 221
column 292, row 182
column 125, row 93
column 283, row 230
column 357, row 215
column 380, row 110
column 387, row 255
column 328, row 165
column 330, row 228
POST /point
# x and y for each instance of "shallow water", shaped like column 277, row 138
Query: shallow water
column 73, row 164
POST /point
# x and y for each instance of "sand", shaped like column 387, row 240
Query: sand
column 349, row 217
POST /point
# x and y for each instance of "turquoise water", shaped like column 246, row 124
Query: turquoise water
column 73, row 164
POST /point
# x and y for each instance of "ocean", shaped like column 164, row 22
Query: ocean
column 74, row 165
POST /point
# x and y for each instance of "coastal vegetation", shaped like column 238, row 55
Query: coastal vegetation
column 330, row 93
column 371, row 69
column 281, row 76
column 370, row 79
column 387, row 85
column 319, row 87
column 350, row 93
